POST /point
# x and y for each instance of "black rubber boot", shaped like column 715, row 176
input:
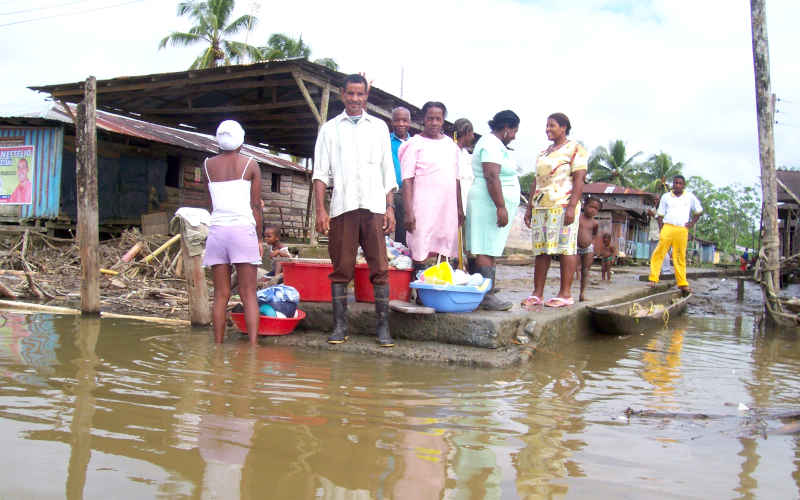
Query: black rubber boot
column 492, row 302
column 381, row 293
column 339, row 293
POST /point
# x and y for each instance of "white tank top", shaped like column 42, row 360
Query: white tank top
column 230, row 201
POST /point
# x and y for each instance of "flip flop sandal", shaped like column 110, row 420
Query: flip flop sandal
column 531, row 301
column 559, row 302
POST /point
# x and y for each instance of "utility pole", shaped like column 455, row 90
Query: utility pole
column 766, row 148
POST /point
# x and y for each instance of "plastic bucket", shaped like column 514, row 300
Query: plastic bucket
column 310, row 278
column 399, row 280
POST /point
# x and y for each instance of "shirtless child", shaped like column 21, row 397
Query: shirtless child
column 607, row 255
column 587, row 230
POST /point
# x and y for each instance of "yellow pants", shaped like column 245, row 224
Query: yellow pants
column 676, row 237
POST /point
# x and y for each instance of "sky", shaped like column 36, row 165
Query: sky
column 673, row 76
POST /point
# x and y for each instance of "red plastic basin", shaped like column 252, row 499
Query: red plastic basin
column 398, row 284
column 268, row 325
column 310, row 279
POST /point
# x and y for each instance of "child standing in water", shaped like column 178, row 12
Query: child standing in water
column 587, row 231
column 607, row 255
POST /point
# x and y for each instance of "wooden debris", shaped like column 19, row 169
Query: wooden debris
column 28, row 306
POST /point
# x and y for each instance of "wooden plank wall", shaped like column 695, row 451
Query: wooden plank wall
column 287, row 208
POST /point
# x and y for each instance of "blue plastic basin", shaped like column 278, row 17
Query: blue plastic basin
column 450, row 298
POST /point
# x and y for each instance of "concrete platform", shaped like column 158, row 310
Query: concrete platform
column 480, row 338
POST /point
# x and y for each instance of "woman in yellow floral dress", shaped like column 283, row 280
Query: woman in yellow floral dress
column 553, row 210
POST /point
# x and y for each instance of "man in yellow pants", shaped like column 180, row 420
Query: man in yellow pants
column 677, row 212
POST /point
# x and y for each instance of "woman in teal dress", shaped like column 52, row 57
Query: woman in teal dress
column 493, row 200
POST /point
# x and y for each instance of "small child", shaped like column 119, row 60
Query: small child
column 277, row 251
column 587, row 231
column 607, row 255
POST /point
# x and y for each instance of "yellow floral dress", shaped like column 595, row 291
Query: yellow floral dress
column 554, row 169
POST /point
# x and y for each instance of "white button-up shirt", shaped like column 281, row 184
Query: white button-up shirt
column 676, row 210
column 356, row 159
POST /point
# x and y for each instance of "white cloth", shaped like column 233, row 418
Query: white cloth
column 194, row 216
column 676, row 210
column 231, row 201
column 356, row 160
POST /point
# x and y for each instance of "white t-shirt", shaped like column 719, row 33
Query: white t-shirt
column 676, row 210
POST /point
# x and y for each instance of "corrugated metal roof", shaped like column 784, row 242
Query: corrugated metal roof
column 132, row 127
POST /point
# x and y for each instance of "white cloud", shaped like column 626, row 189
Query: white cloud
column 669, row 75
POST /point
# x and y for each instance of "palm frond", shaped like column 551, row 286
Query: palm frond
column 239, row 51
column 245, row 22
column 178, row 39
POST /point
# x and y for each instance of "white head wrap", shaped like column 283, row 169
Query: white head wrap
column 230, row 135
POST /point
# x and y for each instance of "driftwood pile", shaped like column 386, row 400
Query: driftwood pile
column 139, row 274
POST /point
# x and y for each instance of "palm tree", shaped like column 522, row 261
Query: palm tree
column 611, row 165
column 212, row 27
column 658, row 170
column 280, row 46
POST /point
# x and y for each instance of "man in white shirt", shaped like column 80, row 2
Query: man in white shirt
column 677, row 212
column 353, row 155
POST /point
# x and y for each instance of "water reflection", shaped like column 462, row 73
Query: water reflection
column 662, row 366
column 148, row 412
column 83, row 413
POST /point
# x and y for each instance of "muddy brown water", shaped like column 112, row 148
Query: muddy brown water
column 117, row 409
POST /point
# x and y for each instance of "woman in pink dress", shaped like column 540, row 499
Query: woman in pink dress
column 431, row 190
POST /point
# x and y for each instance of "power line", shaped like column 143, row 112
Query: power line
column 70, row 13
column 42, row 8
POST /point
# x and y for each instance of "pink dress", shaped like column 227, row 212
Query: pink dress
column 433, row 164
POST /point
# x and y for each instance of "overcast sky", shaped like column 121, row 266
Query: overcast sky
column 662, row 75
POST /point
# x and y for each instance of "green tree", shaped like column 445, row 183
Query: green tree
column 613, row 165
column 657, row 173
column 731, row 214
column 280, row 46
column 212, row 27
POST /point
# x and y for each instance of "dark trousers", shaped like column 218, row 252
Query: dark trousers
column 348, row 231
column 399, row 216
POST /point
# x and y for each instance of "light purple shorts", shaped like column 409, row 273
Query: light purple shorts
column 231, row 245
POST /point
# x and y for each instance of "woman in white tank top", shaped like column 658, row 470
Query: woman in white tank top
column 234, row 183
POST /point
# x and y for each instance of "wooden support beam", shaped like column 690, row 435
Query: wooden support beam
column 307, row 97
column 222, row 109
column 324, row 103
column 88, row 216
column 199, row 309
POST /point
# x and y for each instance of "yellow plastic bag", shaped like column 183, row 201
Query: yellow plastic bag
column 439, row 274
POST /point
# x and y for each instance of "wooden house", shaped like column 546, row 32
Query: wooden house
column 142, row 168
column 624, row 216
column 789, row 212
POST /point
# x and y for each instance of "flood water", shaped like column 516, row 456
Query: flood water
column 116, row 409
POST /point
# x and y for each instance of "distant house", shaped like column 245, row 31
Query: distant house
column 624, row 216
column 142, row 167
column 701, row 251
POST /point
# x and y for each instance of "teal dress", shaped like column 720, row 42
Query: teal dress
column 482, row 234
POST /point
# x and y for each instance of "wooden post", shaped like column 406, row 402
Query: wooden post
column 739, row 289
column 196, row 286
column 312, row 210
column 88, row 217
column 766, row 148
